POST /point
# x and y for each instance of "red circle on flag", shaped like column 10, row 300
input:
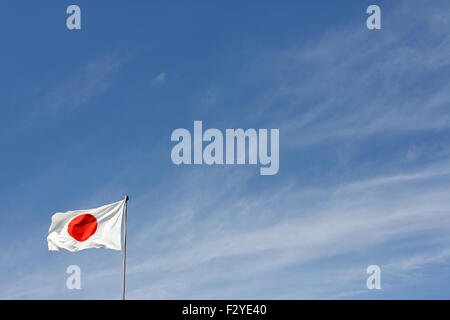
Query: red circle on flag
column 82, row 227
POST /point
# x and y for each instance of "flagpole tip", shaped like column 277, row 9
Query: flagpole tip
column 126, row 197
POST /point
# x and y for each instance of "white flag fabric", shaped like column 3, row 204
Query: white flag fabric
column 83, row 229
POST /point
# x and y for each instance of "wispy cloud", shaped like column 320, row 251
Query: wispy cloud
column 81, row 85
column 255, row 236
column 160, row 78
column 209, row 98
column 354, row 83
column 74, row 90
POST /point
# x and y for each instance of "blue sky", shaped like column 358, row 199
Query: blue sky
column 364, row 121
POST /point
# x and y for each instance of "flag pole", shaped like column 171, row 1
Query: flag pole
column 124, row 246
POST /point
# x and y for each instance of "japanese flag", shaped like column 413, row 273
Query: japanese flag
column 83, row 229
